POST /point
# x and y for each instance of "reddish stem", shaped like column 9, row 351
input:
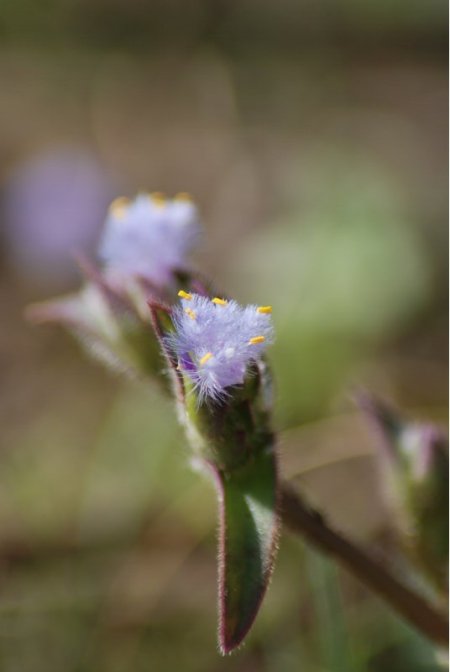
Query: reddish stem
column 411, row 606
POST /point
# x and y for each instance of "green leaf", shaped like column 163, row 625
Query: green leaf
column 248, row 533
column 107, row 323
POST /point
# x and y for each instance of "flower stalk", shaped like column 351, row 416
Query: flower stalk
column 407, row 603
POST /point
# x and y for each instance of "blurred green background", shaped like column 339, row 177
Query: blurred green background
column 313, row 135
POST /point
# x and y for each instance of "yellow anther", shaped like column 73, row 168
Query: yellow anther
column 184, row 295
column 119, row 207
column 256, row 339
column 191, row 313
column 219, row 302
column 265, row 310
column 183, row 196
column 158, row 198
column 205, row 358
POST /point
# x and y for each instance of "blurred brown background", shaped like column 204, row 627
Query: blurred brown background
column 313, row 136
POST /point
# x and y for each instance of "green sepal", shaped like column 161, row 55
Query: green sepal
column 108, row 324
column 230, row 432
column 415, row 465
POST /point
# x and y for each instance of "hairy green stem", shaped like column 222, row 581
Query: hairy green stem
column 310, row 524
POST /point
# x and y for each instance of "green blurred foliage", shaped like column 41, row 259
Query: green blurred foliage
column 338, row 292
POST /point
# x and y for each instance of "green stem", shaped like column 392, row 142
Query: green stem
column 310, row 524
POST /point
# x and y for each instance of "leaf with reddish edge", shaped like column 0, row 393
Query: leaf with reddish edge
column 107, row 321
column 248, row 534
column 161, row 321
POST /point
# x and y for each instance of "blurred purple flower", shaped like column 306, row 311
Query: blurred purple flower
column 215, row 341
column 149, row 237
column 54, row 204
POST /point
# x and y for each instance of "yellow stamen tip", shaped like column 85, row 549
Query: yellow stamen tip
column 119, row 206
column 191, row 313
column 205, row 358
column 158, row 198
column 265, row 310
column 183, row 196
column 256, row 339
column 219, row 302
column 184, row 295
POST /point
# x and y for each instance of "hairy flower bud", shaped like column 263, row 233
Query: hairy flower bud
column 143, row 250
column 216, row 340
column 149, row 237
column 414, row 460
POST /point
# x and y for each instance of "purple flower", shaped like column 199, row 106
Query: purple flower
column 54, row 205
column 215, row 341
column 149, row 236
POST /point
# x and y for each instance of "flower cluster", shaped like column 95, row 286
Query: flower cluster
column 149, row 236
column 217, row 345
column 215, row 340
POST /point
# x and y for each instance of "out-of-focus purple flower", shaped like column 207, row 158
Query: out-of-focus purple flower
column 149, row 237
column 215, row 341
column 54, row 204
